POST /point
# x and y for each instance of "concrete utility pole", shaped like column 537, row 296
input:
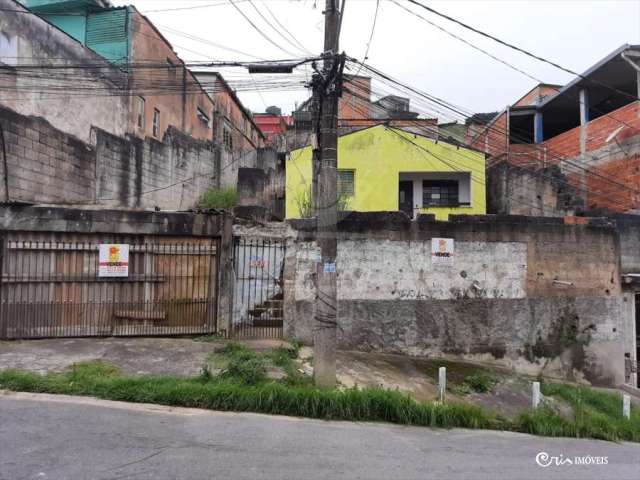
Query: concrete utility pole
column 327, row 91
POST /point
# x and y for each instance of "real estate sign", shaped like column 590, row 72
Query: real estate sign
column 442, row 251
column 113, row 260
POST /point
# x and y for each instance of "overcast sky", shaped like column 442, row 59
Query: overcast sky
column 573, row 33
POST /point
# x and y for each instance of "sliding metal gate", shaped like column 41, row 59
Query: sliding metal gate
column 258, row 296
column 54, row 289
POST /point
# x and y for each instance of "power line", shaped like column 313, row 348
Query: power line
column 541, row 175
column 475, row 47
column 266, row 20
column 257, row 29
column 304, row 49
column 444, row 104
column 521, row 50
column 373, row 29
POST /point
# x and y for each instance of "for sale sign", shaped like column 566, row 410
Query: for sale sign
column 114, row 260
column 442, row 251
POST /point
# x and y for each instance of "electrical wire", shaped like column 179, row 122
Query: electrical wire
column 521, row 50
column 257, row 29
column 300, row 45
column 266, row 20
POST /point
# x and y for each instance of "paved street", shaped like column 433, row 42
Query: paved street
column 48, row 437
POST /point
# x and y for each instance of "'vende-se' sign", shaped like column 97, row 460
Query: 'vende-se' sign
column 442, row 251
column 113, row 260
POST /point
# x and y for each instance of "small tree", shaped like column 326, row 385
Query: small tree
column 306, row 206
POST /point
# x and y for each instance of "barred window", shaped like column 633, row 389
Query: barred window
column 141, row 113
column 440, row 193
column 346, row 183
column 156, row 122
column 227, row 139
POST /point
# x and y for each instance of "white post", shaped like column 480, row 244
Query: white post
column 442, row 383
column 626, row 406
column 535, row 395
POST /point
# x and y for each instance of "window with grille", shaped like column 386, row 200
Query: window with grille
column 346, row 183
column 227, row 139
column 440, row 193
column 156, row 122
column 141, row 104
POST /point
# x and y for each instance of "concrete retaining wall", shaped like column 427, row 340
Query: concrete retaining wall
column 534, row 294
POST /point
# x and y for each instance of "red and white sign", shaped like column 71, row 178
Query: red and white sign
column 113, row 260
column 442, row 251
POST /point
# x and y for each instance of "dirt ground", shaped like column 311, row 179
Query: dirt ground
column 138, row 356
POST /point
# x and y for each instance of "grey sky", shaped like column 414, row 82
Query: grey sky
column 573, row 33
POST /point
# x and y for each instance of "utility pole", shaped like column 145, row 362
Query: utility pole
column 327, row 87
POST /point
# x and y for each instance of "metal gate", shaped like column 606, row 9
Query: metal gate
column 56, row 289
column 258, row 296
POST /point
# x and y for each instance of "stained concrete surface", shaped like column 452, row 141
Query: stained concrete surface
column 55, row 437
column 138, row 356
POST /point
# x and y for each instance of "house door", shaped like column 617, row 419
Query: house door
column 406, row 197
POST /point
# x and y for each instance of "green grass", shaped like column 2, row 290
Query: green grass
column 219, row 198
column 239, row 388
column 227, row 394
column 596, row 414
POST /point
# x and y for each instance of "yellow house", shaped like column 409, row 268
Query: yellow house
column 386, row 169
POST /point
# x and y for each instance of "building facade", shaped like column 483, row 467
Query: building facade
column 589, row 128
column 86, row 79
column 387, row 169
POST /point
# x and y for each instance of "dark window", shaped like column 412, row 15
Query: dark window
column 141, row 113
column 227, row 139
column 440, row 193
column 346, row 183
column 156, row 122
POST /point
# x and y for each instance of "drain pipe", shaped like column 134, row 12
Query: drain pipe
column 6, row 166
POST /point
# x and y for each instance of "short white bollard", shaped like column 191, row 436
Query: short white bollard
column 442, row 383
column 535, row 395
column 626, row 406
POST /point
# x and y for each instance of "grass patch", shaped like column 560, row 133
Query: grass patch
column 480, row 382
column 224, row 394
column 243, row 387
column 219, row 198
column 597, row 414
column 284, row 358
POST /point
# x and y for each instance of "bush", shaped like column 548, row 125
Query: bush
column 219, row 198
column 248, row 371
column 480, row 382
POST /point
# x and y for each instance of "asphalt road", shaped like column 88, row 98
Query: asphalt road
column 49, row 437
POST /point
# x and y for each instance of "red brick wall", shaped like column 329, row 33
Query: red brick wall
column 627, row 117
column 611, row 182
column 565, row 145
column 493, row 139
column 352, row 105
column 534, row 95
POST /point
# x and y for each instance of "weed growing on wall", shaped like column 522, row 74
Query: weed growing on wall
column 219, row 198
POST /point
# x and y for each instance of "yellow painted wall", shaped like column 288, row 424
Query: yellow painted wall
column 378, row 156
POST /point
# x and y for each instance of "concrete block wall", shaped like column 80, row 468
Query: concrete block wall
column 534, row 294
column 172, row 174
column 512, row 190
column 44, row 165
